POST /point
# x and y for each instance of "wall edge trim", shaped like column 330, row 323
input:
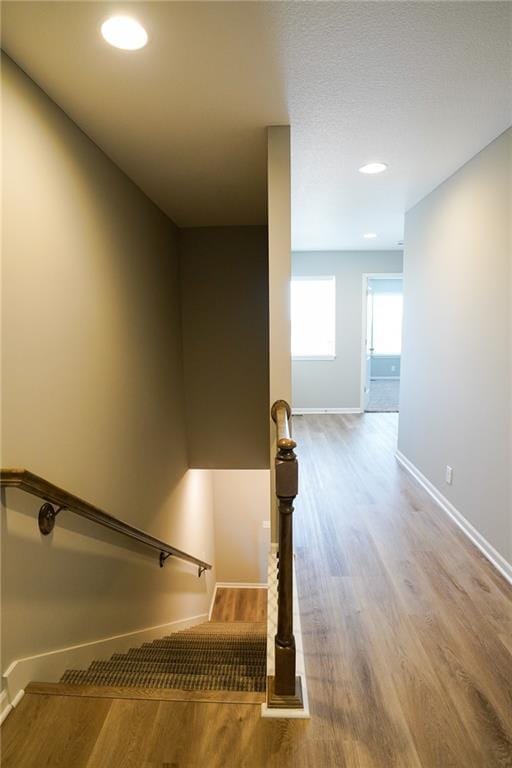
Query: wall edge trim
column 5, row 706
column 493, row 556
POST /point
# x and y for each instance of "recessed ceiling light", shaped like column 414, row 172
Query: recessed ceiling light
column 373, row 168
column 370, row 235
column 124, row 32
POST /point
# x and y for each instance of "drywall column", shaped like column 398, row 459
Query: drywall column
column 279, row 275
column 456, row 375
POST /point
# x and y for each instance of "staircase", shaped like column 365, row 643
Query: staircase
column 221, row 656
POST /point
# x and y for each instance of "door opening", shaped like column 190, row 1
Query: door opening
column 382, row 342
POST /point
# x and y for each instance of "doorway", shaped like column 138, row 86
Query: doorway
column 382, row 342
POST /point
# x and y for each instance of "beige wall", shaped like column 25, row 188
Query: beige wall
column 456, row 386
column 242, row 519
column 279, row 260
column 279, row 243
column 225, row 341
column 337, row 383
column 92, row 388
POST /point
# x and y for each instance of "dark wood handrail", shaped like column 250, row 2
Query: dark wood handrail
column 284, row 688
column 56, row 497
column 281, row 414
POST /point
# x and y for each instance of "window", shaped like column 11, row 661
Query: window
column 313, row 304
column 387, row 323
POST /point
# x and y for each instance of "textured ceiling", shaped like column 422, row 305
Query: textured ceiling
column 422, row 86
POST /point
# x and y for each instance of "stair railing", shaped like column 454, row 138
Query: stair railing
column 284, row 688
column 57, row 500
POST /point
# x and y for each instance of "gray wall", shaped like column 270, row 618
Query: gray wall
column 93, row 394
column 456, row 389
column 385, row 366
column 224, row 279
column 337, row 383
column 381, row 285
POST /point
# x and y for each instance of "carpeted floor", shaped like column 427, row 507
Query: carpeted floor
column 384, row 396
column 210, row 656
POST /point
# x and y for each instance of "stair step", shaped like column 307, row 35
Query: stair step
column 193, row 642
column 162, row 680
column 208, row 657
column 228, row 628
column 249, row 670
column 152, row 694
column 225, row 650
column 196, row 655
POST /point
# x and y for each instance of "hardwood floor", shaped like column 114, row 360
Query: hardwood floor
column 240, row 604
column 407, row 639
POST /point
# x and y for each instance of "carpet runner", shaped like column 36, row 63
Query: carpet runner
column 227, row 656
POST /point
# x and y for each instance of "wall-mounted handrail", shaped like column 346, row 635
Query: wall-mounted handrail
column 284, row 688
column 58, row 500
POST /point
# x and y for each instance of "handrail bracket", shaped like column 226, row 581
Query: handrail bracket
column 46, row 517
column 164, row 555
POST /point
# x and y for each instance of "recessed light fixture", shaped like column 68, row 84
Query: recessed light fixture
column 369, row 235
column 124, row 32
column 373, row 168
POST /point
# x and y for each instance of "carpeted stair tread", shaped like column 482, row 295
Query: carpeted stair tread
column 226, row 627
column 220, row 648
column 156, row 680
column 196, row 659
column 173, row 667
column 181, row 651
column 212, row 640
column 210, row 656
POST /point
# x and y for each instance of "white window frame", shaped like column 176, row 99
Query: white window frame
column 331, row 278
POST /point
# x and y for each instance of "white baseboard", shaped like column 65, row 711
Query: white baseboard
column 305, row 411
column 50, row 666
column 5, row 705
column 494, row 557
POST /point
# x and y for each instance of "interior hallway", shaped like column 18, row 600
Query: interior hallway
column 407, row 635
column 384, row 396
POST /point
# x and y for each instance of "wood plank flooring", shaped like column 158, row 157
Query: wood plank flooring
column 240, row 604
column 152, row 694
column 407, row 639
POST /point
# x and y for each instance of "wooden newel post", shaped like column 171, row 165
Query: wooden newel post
column 284, row 687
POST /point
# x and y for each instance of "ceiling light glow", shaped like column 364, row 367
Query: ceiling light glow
column 370, row 235
column 373, row 168
column 124, row 32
